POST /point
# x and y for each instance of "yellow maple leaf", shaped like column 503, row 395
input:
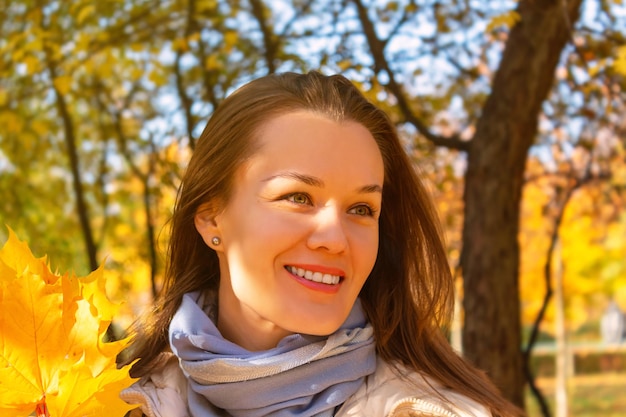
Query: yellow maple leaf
column 53, row 360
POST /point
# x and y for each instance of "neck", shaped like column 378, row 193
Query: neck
column 243, row 326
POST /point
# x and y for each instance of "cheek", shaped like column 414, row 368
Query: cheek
column 366, row 250
column 248, row 222
column 256, row 237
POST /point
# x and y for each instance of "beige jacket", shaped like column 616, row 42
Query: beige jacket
column 388, row 394
column 385, row 393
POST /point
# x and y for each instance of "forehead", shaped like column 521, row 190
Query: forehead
column 300, row 125
column 304, row 140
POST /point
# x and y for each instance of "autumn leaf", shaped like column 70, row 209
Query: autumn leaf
column 63, row 84
column 4, row 97
column 53, row 360
column 11, row 122
column 508, row 20
column 620, row 61
column 85, row 13
column 212, row 62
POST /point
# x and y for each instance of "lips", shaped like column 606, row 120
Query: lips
column 314, row 276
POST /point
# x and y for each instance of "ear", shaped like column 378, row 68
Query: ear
column 206, row 224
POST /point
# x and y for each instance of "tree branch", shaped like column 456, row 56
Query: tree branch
column 270, row 43
column 381, row 64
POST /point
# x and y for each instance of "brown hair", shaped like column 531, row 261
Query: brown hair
column 408, row 296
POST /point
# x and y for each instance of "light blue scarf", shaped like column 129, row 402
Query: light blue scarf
column 303, row 376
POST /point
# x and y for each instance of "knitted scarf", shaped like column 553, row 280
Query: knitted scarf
column 303, row 376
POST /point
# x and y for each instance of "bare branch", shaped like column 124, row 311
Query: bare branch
column 381, row 64
column 270, row 41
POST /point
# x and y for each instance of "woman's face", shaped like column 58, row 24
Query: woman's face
column 299, row 235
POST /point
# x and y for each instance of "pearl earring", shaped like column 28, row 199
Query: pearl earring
column 216, row 240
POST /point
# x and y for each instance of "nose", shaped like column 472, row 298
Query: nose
column 329, row 232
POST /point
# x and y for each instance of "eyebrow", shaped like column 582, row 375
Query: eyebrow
column 374, row 188
column 317, row 182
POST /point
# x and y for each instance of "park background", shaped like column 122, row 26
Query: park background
column 513, row 112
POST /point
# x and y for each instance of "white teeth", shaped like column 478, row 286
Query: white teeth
column 315, row 276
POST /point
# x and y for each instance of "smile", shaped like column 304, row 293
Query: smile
column 314, row 276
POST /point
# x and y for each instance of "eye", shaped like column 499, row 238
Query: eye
column 298, row 198
column 362, row 210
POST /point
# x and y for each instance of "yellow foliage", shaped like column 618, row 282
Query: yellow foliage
column 180, row 44
column 85, row 13
column 83, row 40
column 212, row 62
column 205, row 5
column 594, row 70
column 136, row 73
column 35, row 45
column 105, row 64
column 89, row 66
column 194, row 37
column 32, row 64
column 158, row 77
column 28, row 140
column 344, row 64
column 534, row 240
column 40, row 127
column 17, row 54
column 230, row 39
column 106, row 70
column 130, row 126
column 620, row 61
column 508, row 19
column 137, row 47
column 63, row 84
column 586, row 245
column 52, row 356
column 11, row 122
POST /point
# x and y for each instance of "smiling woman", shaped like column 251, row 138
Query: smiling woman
column 293, row 222
column 306, row 273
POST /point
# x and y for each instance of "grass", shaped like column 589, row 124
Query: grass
column 589, row 396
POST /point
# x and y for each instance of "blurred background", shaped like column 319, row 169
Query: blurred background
column 513, row 112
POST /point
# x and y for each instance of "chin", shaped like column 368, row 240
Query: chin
column 315, row 320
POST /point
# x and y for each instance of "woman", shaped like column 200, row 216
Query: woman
column 306, row 271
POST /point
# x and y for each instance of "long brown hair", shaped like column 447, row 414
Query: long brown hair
column 408, row 296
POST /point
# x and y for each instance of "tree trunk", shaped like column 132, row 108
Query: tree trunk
column 493, row 187
column 81, row 204
column 69, row 131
